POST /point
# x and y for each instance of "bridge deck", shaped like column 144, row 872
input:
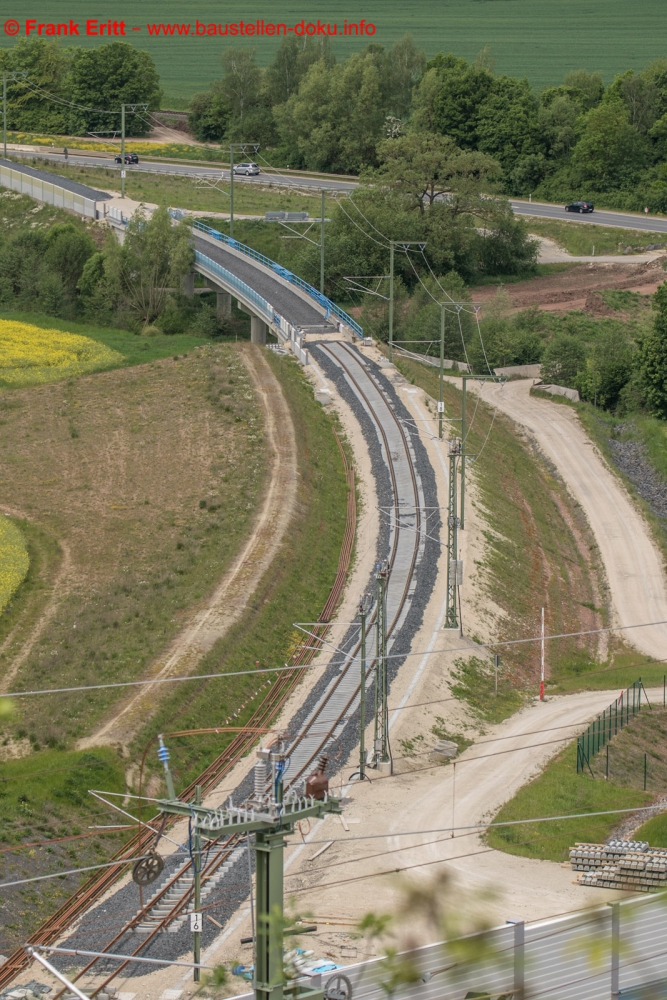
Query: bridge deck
column 285, row 301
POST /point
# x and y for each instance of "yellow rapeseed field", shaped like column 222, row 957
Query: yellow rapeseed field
column 13, row 560
column 30, row 354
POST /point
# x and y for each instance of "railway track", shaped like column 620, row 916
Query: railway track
column 327, row 719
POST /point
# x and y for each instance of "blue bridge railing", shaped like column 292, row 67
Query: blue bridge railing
column 322, row 300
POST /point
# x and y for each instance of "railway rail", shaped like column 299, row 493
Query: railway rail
column 331, row 713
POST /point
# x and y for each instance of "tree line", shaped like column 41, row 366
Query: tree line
column 77, row 91
column 576, row 139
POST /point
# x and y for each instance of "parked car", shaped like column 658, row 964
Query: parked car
column 129, row 158
column 580, row 206
column 249, row 169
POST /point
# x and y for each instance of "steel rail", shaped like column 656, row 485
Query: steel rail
column 417, row 540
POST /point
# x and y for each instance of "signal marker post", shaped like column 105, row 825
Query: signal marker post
column 542, row 660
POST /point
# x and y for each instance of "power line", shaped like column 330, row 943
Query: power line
column 283, row 669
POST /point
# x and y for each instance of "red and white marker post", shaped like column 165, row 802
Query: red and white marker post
column 542, row 660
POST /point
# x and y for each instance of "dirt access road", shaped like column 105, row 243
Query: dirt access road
column 632, row 561
column 229, row 599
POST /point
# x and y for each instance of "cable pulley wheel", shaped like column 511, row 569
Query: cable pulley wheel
column 338, row 988
column 147, row 869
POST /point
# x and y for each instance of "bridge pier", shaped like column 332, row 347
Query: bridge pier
column 188, row 284
column 223, row 305
column 257, row 330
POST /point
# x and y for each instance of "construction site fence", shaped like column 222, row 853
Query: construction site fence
column 608, row 723
column 51, row 194
column 614, row 951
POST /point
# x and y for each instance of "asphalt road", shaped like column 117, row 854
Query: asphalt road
column 190, row 170
column 618, row 220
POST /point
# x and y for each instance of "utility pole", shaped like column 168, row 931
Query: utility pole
column 241, row 148
column 122, row 150
column 196, row 864
column 381, row 732
column 441, row 401
column 463, row 452
column 451, row 618
column 132, row 107
column 402, row 245
column 4, row 115
column 322, row 245
column 362, row 693
column 271, row 814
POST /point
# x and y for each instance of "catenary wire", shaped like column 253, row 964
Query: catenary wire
column 283, row 669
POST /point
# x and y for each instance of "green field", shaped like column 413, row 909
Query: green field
column 539, row 40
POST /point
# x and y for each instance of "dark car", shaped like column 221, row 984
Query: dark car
column 580, row 206
column 129, row 158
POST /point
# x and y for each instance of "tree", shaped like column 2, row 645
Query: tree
column 291, row 62
column 610, row 152
column 463, row 89
column 208, row 115
column 425, row 167
column 29, row 104
column 507, row 123
column 67, row 248
column 104, row 78
column 563, row 359
column 241, row 81
column 652, row 357
column 641, row 97
column 154, row 256
column 589, row 87
column 607, row 370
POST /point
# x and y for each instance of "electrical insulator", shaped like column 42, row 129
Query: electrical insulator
column 317, row 783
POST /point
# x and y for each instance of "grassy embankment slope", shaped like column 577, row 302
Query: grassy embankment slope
column 538, row 552
column 118, row 477
column 615, row 781
column 583, row 239
column 187, row 192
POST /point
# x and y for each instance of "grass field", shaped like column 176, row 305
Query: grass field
column 582, row 239
column 44, row 797
column 539, row 40
column 115, row 466
column 293, row 589
column 538, row 550
column 560, row 791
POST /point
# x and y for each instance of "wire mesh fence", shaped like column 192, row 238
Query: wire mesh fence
column 608, row 723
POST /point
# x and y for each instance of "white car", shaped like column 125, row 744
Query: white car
column 249, row 169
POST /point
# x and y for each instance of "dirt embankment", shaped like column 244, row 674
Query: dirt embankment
column 576, row 287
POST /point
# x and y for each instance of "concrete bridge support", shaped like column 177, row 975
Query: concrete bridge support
column 223, row 305
column 188, row 284
column 257, row 330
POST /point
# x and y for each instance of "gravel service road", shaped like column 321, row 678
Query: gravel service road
column 631, row 559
